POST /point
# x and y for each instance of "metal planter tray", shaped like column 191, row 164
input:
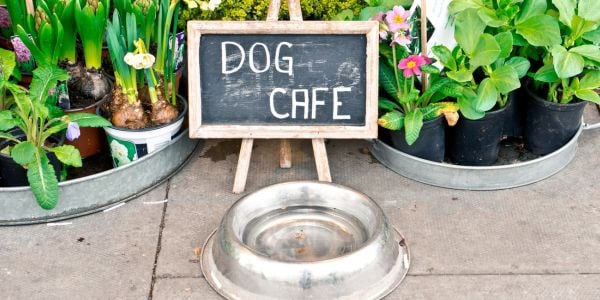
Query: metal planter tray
column 476, row 178
column 96, row 192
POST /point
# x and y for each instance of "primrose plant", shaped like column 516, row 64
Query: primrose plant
column 399, row 69
column 29, row 145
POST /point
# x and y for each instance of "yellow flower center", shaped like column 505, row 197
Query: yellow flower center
column 411, row 64
column 398, row 19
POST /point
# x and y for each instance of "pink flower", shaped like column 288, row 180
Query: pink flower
column 383, row 32
column 378, row 17
column 412, row 65
column 397, row 19
column 23, row 54
column 401, row 39
column 4, row 18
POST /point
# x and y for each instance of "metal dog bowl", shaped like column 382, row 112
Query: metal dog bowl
column 305, row 240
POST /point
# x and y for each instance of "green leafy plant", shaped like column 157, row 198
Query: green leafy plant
column 46, row 32
column 570, row 65
column 65, row 10
column 31, row 114
column 91, row 23
column 398, row 71
column 483, row 64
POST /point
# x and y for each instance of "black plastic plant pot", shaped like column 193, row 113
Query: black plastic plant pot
column 431, row 142
column 13, row 174
column 549, row 125
column 514, row 120
column 477, row 142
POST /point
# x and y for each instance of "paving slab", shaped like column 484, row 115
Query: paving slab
column 107, row 255
column 523, row 287
column 564, row 287
column 201, row 193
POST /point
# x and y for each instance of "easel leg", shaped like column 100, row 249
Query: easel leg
column 285, row 155
column 321, row 159
column 241, row 172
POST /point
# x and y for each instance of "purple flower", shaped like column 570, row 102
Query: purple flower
column 72, row 131
column 4, row 18
column 23, row 54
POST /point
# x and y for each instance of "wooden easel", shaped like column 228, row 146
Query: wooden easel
column 285, row 153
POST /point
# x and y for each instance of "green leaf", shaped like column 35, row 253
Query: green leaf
column 445, row 57
column 540, row 31
column 468, row 28
column 389, row 4
column 588, row 51
column 588, row 95
column 467, row 102
column 23, row 153
column 566, row 64
column 590, row 81
column 460, row 76
column 42, row 180
column 491, row 19
column 486, row 51
column 44, row 79
column 6, row 120
column 89, row 120
column 435, row 86
column 531, row 8
column 546, row 74
column 413, row 122
column 580, row 26
column 393, row 120
column 457, row 6
column 593, row 36
column 589, row 10
column 520, row 64
column 430, row 69
column 387, row 80
column 566, row 9
column 387, row 105
column 369, row 12
column 8, row 62
column 505, row 79
column 68, row 155
column 505, row 41
column 487, row 95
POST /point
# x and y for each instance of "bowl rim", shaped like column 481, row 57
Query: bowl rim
column 378, row 228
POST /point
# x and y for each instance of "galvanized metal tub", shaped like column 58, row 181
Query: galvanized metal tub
column 96, row 192
column 305, row 240
column 476, row 178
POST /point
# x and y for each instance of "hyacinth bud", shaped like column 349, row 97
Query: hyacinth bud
column 143, row 4
column 93, row 4
column 40, row 17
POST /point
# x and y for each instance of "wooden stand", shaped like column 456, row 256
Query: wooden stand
column 285, row 153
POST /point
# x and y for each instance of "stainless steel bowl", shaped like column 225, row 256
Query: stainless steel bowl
column 305, row 240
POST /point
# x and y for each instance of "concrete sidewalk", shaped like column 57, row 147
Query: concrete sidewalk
column 535, row 242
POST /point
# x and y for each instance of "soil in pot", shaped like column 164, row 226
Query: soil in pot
column 431, row 142
column 12, row 174
column 549, row 125
column 477, row 142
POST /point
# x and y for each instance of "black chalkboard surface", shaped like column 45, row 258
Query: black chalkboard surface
column 283, row 79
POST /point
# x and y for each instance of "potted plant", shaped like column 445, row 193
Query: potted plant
column 140, row 125
column 487, row 69
column 32, row 153
column 413, row 116
column 19, row 18
column 567, row 79
column 5, row 29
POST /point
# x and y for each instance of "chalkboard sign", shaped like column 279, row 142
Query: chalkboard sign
column 283, row 79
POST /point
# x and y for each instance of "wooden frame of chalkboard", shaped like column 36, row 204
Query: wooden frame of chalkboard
column 226, row 121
